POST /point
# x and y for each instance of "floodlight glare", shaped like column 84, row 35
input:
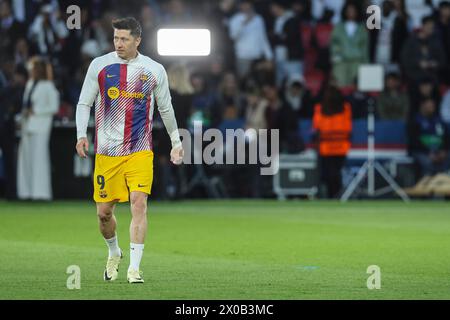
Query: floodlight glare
column 184, row 42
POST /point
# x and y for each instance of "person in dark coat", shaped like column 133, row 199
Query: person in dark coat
column 386, row 44
column 429, row 142
column 423, row 55
column 10, row 106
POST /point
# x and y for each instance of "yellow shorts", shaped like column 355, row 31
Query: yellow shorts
column 116, row 177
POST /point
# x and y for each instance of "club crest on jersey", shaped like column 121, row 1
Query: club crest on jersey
column 144, row 77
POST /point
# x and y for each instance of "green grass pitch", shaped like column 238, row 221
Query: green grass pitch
column 232, row 250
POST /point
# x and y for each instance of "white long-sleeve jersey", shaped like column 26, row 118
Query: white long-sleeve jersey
column 124, row 93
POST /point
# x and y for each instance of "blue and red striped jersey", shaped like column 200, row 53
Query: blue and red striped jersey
column 125, row 93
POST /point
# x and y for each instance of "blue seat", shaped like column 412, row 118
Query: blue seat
column 387, row 132
column 305, row 130
column 390, row 132
column 359, row 132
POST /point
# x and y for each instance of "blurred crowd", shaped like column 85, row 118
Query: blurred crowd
column 273, row 63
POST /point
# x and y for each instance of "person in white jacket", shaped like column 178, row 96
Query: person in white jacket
column 40, row 103
column 248, row 32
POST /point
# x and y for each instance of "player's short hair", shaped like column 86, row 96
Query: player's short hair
column 128, row 23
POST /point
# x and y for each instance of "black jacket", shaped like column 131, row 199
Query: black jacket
column 398, row 38
column 412, row 55
column 291, row 38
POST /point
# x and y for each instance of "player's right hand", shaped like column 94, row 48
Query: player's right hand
column 176, row 155
column 82, row 147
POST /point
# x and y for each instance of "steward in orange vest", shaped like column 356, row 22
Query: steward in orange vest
column 334, row 131
column 332, row 122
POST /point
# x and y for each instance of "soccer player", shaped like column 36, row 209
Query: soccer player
column 125, row 86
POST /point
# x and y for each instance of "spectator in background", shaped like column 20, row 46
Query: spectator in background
column 443, row 32
column 297, row 97
column 40, row 103
column 176, row 13
column 327, row 10
column 89, row 50
column 255, row 109
column 255, row 118
column 7, row 69
column 358, row 101
column 302, row 9
column 417, row 10
column 204, row 102
column 10, row 29
column 216, row 69
column 274, row 105
column 273, row 117
column 332, row 123
column 295, row 104
column 181, row 91
column 429, row 143
column 248, row 32
column 47, row 31
column 393, row 103
column 10, row 106
column 221, row 43
column 21, row 52
column 400, row 7
column 261, row 72
column 100, row 32
column 423, row 54
column 445, row 107
column 96, row 7
column 230, row 100
column 425, row 89
column 282, row 117
column 286, row 40
column 70, row 54
column 25, row 11
column 386, row 43
column 443, row 25
column 149, row 23
column 349, row 46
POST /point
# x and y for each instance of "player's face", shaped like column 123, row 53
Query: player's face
column 125, row 44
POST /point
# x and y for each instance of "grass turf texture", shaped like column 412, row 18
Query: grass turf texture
column 232, row 250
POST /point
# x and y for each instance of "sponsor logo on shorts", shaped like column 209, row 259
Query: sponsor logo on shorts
column 141, row 185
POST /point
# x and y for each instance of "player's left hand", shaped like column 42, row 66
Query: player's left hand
column 176, row 155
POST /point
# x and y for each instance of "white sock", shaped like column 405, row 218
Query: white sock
column 113, row 246
column 136, row 251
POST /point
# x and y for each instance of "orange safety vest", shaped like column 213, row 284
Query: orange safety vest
column 334, row 131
